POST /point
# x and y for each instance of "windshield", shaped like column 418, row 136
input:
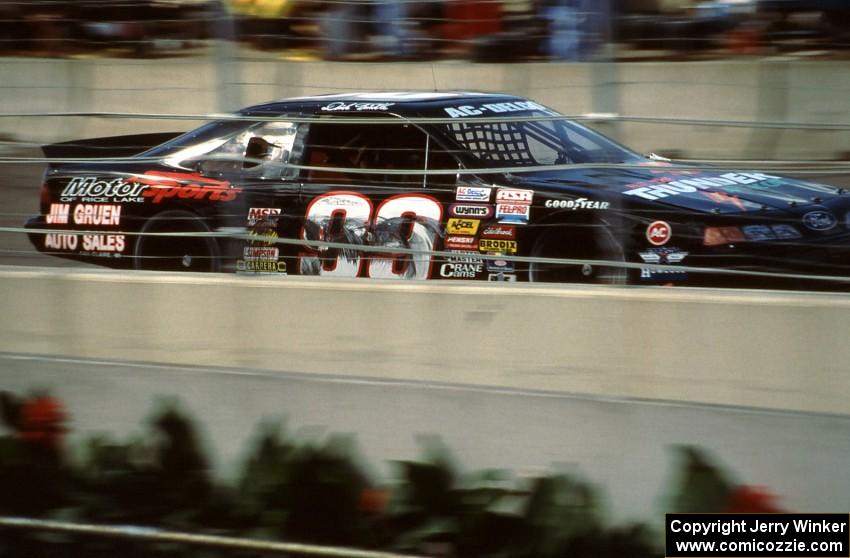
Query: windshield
column 534, row 143
column 210, row 131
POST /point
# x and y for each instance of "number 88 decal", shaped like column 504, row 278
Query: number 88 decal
column 404, row 221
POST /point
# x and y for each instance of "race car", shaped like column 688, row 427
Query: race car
column 412, row 185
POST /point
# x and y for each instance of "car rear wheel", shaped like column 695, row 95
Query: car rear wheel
column 160, row 251
column 590, row 243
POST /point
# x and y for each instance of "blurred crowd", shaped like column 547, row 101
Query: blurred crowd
column 483, row 30
column 317, row 492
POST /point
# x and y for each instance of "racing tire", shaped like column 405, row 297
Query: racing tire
column 176, row 253
column 591, row 243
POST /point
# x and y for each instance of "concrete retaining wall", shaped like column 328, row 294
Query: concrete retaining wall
column 749, row 90
column 781, row 351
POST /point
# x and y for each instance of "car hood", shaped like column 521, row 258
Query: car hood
column 703, row 191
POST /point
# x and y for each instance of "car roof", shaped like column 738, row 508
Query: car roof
column 372, row 103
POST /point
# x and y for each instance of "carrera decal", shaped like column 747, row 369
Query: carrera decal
column 467, row 227
column 658, row 233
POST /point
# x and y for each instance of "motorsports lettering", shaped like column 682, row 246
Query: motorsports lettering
column 669, row 187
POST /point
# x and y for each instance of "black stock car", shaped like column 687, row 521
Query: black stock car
column 228, row 196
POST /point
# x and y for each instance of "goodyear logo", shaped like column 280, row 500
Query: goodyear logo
column 463, row 226
column 497, row 245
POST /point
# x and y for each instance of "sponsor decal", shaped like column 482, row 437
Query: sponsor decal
column 493, row 108
column 261, row 252
column 465, row 256
column 498, row 265
column 507, row 232
column 472, row 193
column 663, row 187
column 663, row 256
column 463, row 226
column 497, row 245
column 514, row 196
column 61, row 241
column 259, row 213
column 94, row 189
column 658, row 233
column 185, row 186
column 113, row 243
column 261, row 266
column 58, row 214
column 513, row 213
column 97, row 215
column 819, row 220
column 461, row 242
column 103, row 243
column 578, row 203
column 502, row 277
column 461, row 270
column 263, row 237
column 471, row 210
column 342, row 106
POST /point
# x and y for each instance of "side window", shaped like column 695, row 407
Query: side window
column 263, row 150
column 378, row 147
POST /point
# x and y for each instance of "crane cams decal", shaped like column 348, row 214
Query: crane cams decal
column 462, row 265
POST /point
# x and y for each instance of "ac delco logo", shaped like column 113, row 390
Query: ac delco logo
column 658, row 233
column 514, row 196
column 497, row 245
column 499, row 231
column 463, row 226
column 470, row 210
column 185, row 186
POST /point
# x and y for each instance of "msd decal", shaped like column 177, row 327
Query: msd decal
column 658, row 233
column 259, row 213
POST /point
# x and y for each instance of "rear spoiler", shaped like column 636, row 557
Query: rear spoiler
column 113, row 146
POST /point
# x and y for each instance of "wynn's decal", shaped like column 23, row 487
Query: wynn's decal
column 409, row 221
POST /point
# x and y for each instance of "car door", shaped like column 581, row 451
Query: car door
column 365, row 196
